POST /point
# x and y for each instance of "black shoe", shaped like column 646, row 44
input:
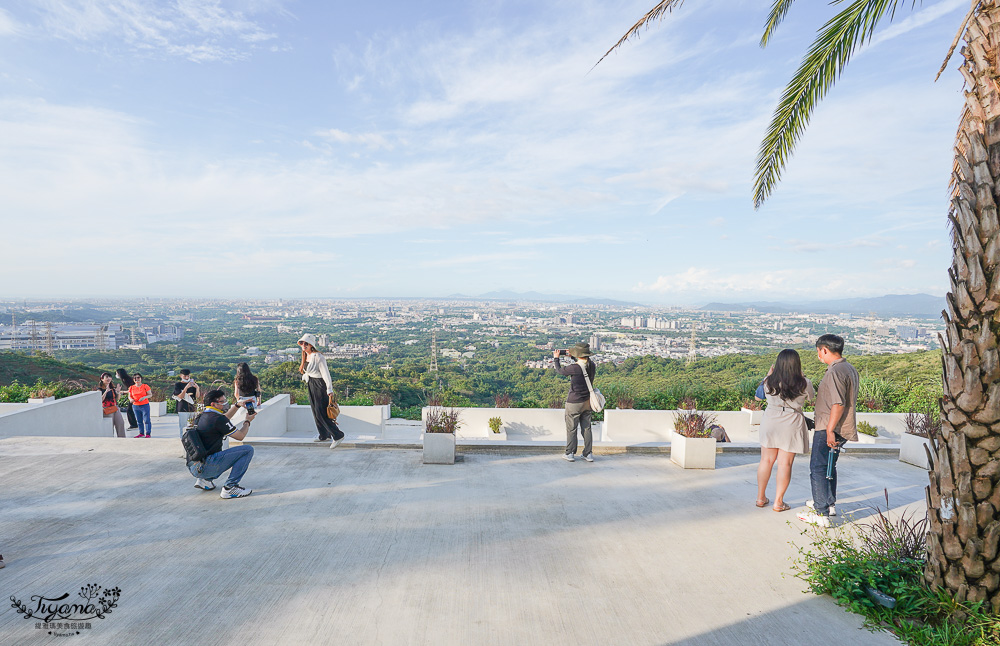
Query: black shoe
column 321, row 439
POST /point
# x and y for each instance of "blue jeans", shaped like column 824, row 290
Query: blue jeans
column 237, row 458
column 143, row 418
column 824, row 491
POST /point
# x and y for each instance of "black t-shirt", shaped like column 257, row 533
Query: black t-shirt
column 186, row 388
column 213, row 428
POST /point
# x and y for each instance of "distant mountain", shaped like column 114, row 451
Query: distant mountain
column 916, row 305
column 538, row 297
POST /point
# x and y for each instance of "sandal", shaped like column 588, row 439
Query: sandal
column 783, row 507
column 763, row 503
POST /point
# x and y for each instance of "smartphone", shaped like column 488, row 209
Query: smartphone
column 563, row 353
column 250, row 408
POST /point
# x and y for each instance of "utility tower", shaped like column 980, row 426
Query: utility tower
column 692, row 345
column 100, row 338
column 869, row 349
column 49, row 337
column 13, row 331
column 434, row 352
column 34, row 337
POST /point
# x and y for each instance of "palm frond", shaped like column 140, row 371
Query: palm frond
column 778, row 11
column 829, row 54
column 662, row 7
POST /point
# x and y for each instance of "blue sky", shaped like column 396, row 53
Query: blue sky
column 271, row 148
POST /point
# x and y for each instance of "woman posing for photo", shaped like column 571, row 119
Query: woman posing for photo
column 317, row 375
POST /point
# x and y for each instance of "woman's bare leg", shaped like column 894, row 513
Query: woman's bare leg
column 785, row 460
column 767, row 457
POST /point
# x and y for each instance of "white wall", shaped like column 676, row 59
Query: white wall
column 271, row 417
column 522, row 424
column 354, row 421
column 638, row 426
column 10, row 408
column 76, row 416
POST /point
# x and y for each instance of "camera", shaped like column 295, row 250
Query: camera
column 250, row 408
column 563, row 353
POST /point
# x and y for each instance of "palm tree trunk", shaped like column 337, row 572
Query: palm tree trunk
column 963, row 498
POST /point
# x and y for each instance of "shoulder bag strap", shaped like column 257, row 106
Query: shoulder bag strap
column 586, row 377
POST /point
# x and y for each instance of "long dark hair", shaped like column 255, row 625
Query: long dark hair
column 786, row 381
column 111, row 384
column 125, row 377
column 245, row 379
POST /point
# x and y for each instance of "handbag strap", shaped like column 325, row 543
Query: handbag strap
column 586, row 377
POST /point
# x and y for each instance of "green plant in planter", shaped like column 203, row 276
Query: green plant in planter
column 442, row 421
column 495, row 424
column 867, row 429
column 691, row 423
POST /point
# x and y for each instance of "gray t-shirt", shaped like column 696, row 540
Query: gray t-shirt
column 839, row 386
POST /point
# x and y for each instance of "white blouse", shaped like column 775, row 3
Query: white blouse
column 316, row 368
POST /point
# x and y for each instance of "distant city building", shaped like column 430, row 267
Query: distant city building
column 595, row 343
column 47, row 337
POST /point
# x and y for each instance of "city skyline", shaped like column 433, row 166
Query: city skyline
column 272, row 149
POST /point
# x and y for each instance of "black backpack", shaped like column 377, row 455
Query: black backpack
column 194, row 448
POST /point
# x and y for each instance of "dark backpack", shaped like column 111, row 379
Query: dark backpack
column 194, row 448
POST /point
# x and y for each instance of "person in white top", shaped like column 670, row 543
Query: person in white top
column 317, row 375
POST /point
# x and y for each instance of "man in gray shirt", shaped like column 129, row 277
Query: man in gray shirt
column 836, row 423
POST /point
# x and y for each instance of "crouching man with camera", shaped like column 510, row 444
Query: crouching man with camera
column 203, row 447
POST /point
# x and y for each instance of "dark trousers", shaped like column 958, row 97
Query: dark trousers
column 578, row 415
column 824, row 491
column 318, row 401
column 132, row 421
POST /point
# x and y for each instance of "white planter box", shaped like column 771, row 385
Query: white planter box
column 439, row 448
column 692, row 452
column 41, row 400
column 497, row 437
column 911, row 450
column 157, row 409
column 755, row 416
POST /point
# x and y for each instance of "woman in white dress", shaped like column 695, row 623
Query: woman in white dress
column 783, row 431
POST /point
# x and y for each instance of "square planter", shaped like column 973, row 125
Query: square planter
column 497, row 437
column 439, row 448
column 41, row 400
column 157, row 409
column 692, row 452
column 911, row 450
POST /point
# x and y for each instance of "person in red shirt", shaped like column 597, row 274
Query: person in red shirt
column 139, row 395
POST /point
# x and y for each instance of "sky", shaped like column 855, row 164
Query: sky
column 306, row 148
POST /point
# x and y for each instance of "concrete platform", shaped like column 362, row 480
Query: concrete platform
column 358, row 546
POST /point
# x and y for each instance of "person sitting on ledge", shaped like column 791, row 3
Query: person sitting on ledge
column 214, row 426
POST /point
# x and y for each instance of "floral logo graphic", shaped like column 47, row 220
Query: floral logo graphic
column 97, row 602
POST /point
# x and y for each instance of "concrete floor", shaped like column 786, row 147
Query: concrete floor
column 364, row 546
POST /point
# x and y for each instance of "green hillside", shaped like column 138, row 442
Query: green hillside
column 891, row 383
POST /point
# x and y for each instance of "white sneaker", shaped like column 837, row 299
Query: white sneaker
column 833, row 508
column 568, row 457
column 334, row 444
column 589, row 457
column 813, row 518
column 207, row 485
column 235, row 491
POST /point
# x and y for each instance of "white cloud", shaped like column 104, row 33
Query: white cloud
column 485, row 261
column 371, row 140
column 199, row 30
column 8, row 26
column 919, row 19
column 597, row 239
